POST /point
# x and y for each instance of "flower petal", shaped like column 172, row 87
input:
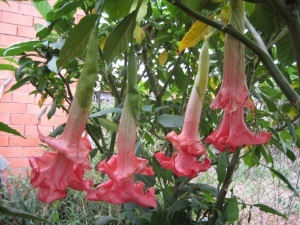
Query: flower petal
column 123, row 192
column 52, row 173
column 233, row 133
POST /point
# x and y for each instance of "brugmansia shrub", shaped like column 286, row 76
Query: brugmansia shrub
column 162, row 186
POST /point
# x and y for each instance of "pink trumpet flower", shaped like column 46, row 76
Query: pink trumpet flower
column 189, row 147
column 233, row 133
column 188, row 143
column 73, row 142
column 121, row 168
column 53, row 172
column 233, row 93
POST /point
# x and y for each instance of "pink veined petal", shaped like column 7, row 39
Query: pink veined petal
column 123, row 192
column 110, row 168
column 183, row 164
column 233, row 92
column 73, row 142
column 52, row 173
column 233, row 133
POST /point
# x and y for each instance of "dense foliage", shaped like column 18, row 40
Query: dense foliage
column 167, row 36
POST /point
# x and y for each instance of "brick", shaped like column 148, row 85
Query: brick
column 6, row 107
column 19, row 97
column 30, row 10
column 7, row 40
column 11, row 151
column 7, row 28
column 4, row 140
column 0, row 15
column 18, row 19
column 30, row 141
column 33, row 151
column 78, row 18
column 37, row 20
column 54, row 121
column 5, row 118
column 21, row 119
column 80, row 12
column 18, row 162
column 24, row 31
column 32, row 130
column 34, row 109
column 6, row 97
column 19, row 127
column 12, row 7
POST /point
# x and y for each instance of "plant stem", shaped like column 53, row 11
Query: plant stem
column 279, row 78
column 224, row 189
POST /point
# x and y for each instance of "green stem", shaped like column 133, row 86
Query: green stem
column 279, row 78
column 219, row 205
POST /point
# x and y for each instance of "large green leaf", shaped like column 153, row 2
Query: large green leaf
column 285, row 51
column 42, row 6
column 222, row 167
column 5, row 128
column 285, row 180
column 109, row 125
column 170, row 120
column 263, row 18
column 118, row 8
column 19, row 84
column 76, row 43
column 232, row 210
column 106, row 111
column 19, row 213
column 65, row 9
column 118, row 40
column 18, row 48
column 7, row 67
column 180, row 80
column 268, row 209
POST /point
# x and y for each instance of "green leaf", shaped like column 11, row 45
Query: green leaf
column 263, row 18
column 76, row 43
column 117, row 9
column 20, row 83
column 249, row 8
column 18, row 48
column 42, row 6
column 118, row 40
column 180, row 79
column 52, row 110
column 5, row 128
column 7, row 67
column 285, row 180
column 109, row 125
column 19, row 213
column 170, row 120
column 45, row 30
column 66, row 8
column 148, row 180
column 104, row 220
column 268, row 209
column 232, row 210
column 207, row 187
column 222, row 167
column 106, row 111
column 285, row 51
column 269, row 103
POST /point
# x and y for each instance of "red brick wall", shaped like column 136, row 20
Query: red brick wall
column 19, row 109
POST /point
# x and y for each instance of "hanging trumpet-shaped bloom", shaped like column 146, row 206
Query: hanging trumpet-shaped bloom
column 233, row 133
column 233, row 92
column 121, row 168
column 53, row 172
column 184, row 162
column 234, row 95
